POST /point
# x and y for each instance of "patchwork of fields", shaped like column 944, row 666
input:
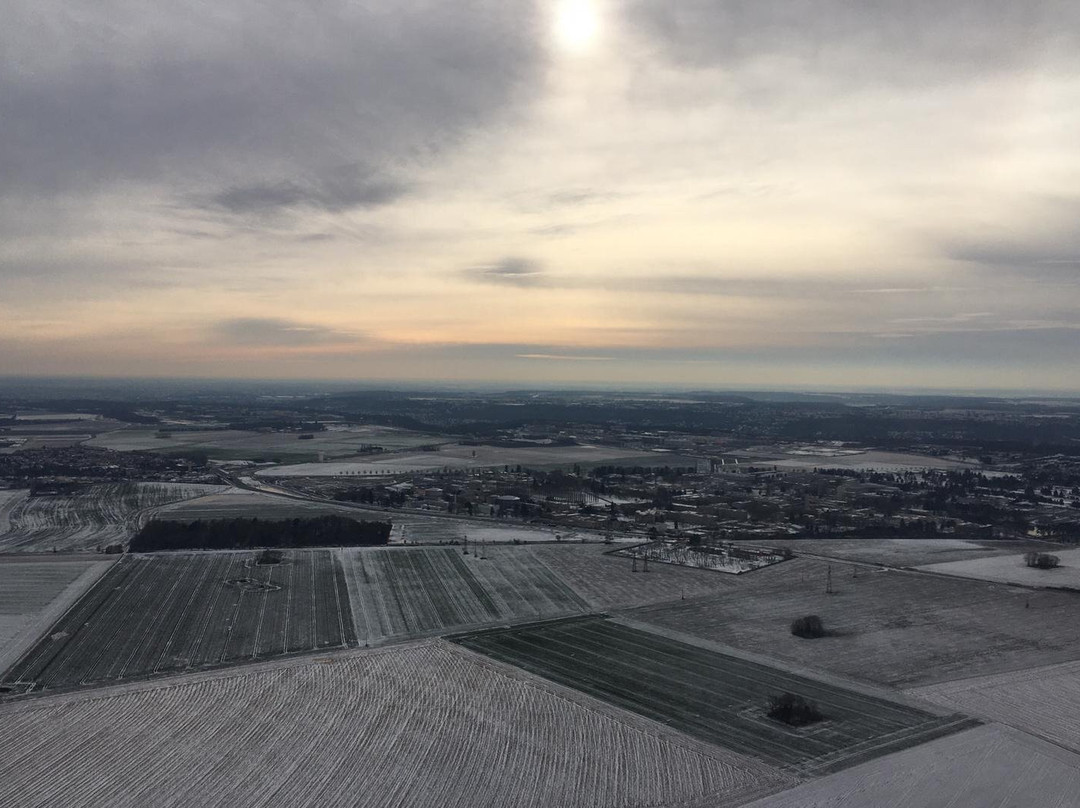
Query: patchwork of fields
column 985, row 767
column 893, row 628
column 440, row 727
column 716, row 697
column 94, row 516
column 1042, row 701
column 399, row 592
column 173, row 612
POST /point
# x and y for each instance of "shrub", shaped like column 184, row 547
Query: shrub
column 1042, row 561
column 794, row 710
column 269, row 557
column 809, row 627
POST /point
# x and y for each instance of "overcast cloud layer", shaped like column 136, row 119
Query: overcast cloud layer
column 639, row 192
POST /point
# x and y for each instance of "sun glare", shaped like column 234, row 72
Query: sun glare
column 576, row 24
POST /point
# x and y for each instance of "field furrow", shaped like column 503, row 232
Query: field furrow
column 401, row 592
column 440, row 726
column 95, row 516
column 716, row 697
column 175, row 612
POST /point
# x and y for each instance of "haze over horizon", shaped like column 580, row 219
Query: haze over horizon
column 771, row 194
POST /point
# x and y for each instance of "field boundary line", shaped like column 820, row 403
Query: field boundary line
column 630, row 719
column 824, row 677
column 28, row 637
column 299, row 659
column 950, row 686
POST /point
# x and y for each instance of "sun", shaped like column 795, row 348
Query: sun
column 576, row 24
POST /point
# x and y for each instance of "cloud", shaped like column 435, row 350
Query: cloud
column 206, row 100
column 565, row 357
column 278, row 332
column 333, row 195
column 510, row 271
column 1048, row 256
column 915, row 43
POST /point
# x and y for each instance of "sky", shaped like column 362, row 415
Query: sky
column 756, row 193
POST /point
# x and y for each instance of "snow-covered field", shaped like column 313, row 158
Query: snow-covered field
column 903, row 552
column 894, row 462
column 236, row 503
column 94, row 516
column 992, row 766
column 1043, row 701
column 420, row 725
column 460, row 456
column 1011, row 569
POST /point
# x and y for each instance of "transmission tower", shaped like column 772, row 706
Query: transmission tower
column 828, row 580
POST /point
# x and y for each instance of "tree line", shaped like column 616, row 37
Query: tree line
column 243, row 534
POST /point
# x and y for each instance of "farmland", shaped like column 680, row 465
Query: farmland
column 237, row 503
column 439, row 726
column 869, row 461
column 1012, row 569
column 173, row 612
column 716, row 697
column 906, row 552
column 985, row 767
column 94, row 516
column 459, row 456
column 895, row 628
column 1042, row 701
column 234, row 444
column 609, row 582
column 400, row 592
column 34, row 592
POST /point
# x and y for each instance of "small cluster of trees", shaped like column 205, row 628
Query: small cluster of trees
column 794, row 710
column 1042, row 561
column 239, row 534
column 809, row 627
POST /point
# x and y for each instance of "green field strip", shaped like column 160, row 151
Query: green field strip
column 712, row 696
column 344, row 605
column 176, row 629
column 738, row 669
column 81, row 656
column 159, row 621
column 481, row 595
column 213, row 634
column 195, row 629
column 95, row 601
column 625, row 689
column 301, row 615
column 176, row 612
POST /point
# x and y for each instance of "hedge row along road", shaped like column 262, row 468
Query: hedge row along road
column 718, row 698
